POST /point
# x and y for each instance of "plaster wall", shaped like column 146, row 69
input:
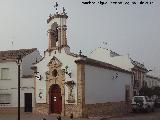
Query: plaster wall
column 100, row 54
column 122, row 61
column 42, row 68
column 13, row 71
column 10, row 86
column 152, row 82
column 104, row 55
column 102, row 86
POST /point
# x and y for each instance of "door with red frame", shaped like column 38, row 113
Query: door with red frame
column 55, row 99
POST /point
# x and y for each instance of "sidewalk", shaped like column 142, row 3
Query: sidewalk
column 29, row 116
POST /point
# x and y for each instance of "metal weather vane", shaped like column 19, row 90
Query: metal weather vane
column 64, row 10
column 56, row 5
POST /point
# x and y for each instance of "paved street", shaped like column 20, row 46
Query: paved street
column 132, row 116
column 37, row 117
column 139, row 116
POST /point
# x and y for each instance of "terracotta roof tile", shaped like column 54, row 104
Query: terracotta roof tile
column 13, row 54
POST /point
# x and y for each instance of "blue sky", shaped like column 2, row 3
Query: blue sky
column 127, row 29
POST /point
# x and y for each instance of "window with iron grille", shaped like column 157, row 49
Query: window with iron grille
column 5, row 98
column 4, row 73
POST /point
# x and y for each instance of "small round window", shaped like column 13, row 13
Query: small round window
column 54, row 73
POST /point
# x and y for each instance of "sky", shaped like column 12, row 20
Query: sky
column 132, row 29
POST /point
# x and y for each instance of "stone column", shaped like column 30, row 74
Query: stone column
column 64, row 40
column 59, row 36
column 81, row 88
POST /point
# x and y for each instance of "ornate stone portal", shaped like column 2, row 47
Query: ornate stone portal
column 55, row 95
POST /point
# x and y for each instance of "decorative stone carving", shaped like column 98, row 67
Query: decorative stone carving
column 54, row 63
column 71, row 96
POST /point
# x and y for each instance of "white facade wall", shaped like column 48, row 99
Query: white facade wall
column 122, row 62
column 103, row 55
column 10, row 86
column 13, row 72
column 101, row 87
column 27, row 84
column 152, row 82
column 42, row 68
column 100, row 54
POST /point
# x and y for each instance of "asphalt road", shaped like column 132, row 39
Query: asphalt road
column 132, row 116
column 29, row 116
column 139, row 116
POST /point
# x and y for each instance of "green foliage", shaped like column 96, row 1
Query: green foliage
column 156, row 91
column 145, row 91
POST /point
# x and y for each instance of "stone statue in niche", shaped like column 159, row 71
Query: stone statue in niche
column 71, row 97
column 70, row 93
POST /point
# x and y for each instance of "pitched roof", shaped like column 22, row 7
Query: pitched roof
column 138, row 64
column 13, row 54
column 97, row 63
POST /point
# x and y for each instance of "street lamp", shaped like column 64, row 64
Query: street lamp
column 19, row 60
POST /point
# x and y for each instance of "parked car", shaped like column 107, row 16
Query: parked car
column 157, row 102
column 142, row 103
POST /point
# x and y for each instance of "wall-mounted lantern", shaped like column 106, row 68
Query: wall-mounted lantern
column 70, row 83
column 115, row 76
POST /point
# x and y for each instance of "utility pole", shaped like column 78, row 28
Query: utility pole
column 19, row 60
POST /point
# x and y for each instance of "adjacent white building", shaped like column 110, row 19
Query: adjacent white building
column 151, row 81
column 105, row 82
column 124, row 62
column 9, row 79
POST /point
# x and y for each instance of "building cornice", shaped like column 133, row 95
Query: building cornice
column 100, row 64
column 57, row 15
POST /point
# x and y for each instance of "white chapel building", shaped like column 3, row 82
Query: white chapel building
column 67, row 83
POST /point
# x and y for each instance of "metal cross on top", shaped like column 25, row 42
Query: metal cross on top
column 64, row 10
column 80, row 52
column 56, row 5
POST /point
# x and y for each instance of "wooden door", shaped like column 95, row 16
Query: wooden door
column 28, row 102
column 56, row 99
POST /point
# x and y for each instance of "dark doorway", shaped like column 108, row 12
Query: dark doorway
column 55, row 99
column 28, row 102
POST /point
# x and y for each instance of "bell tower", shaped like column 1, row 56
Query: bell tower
column 57, row 30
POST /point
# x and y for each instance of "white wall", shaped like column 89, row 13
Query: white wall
column 152, row 82
column 27, row 86
column 102, row 54
column 13, row 72
column 101, row 88
column 122, row 61
column 42, row 67
column 10, row 86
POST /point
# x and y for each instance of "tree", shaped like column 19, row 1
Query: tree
column 145, row 91
column 156, row 91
